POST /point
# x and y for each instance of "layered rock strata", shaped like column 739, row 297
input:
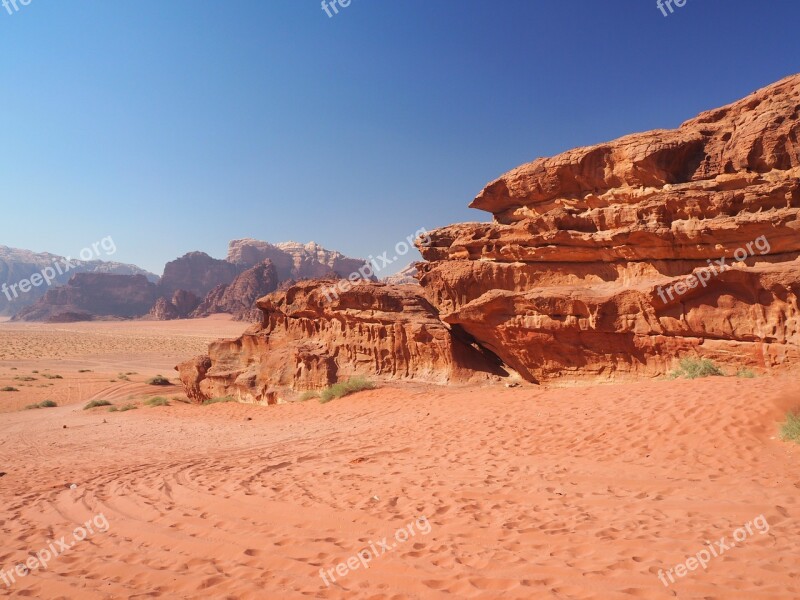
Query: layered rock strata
column 587, row 269
column 306, row 342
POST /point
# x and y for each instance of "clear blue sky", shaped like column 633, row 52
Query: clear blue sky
column 177, row 125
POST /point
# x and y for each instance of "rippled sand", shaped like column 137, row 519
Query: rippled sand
column 530, row 493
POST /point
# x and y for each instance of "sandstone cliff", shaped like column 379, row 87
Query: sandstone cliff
column 307, row 342
column 293, row 261
column 93, row 295
column 18, row 264
column 239, row 298
column 601, row 263
column 180, row 306
column 196, row 272
column 580, row 271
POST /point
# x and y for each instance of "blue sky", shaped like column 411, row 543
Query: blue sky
column 177, row 125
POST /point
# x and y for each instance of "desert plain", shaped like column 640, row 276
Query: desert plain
column 591, row 491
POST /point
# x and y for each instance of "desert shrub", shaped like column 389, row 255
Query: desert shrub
column 47, row 376
column 220, row 400
column 157, row 401
column 691, row 368
column 345, row 388
column 44, row 404
column 158, row 380
column 305, row 396
column 123, row 408
column 745, row 373
column 25, row 378
column 123, row 377
column 96, row 403
column 8, row 388
column 791, row 429
column 84, row 370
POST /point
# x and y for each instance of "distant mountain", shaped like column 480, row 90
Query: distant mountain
column 193, row 285
column 17, row 265
column 90, row 296
column 294, row 261
column 252, row 269
column 407, row 276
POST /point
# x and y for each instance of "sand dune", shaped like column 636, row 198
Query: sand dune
column 529, row 493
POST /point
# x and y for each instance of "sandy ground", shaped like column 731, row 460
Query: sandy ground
column 89, row 357
column 510, row 493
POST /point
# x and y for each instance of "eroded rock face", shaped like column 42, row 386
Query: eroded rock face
column 17, row 265
column 239, row 298
column 179, row 307
column 93, row 295
column 406, row 276
column 305, row 342
column 292, row 260
column 196, row 272
column 587, row 268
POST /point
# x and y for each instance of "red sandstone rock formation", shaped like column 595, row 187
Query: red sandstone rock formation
column 17, row 264
column 406, row 276
column 292, row 260
column 575, row 276
column 179, row 307
column 239, row 298
column 307, row 343
column 196, row 272
column 596, row 265
column 90, row 295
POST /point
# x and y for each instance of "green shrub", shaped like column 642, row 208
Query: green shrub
column 691, row 368
column 123, row 408
column 220, row 400
column 157, row 401
column 8, row 388
column 791, row 429
column 45, row 404
column 96, row 403
column 305, row 396
column 345, row 388
column 158, row 380
column 745, row 373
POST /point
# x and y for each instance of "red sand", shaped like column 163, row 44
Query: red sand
column 530, row 493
